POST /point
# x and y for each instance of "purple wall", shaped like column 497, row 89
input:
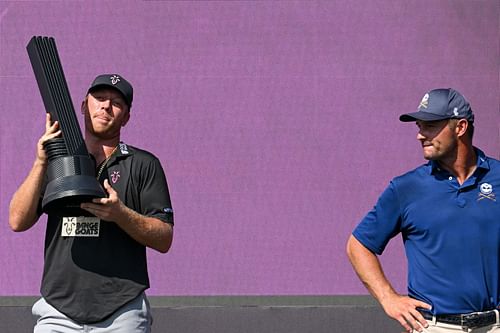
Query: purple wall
column 276, row 122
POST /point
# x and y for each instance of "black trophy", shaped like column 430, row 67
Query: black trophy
column 71, row 171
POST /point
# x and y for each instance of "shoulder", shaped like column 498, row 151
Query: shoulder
column 413, row 176
column 494, row 163
column 141, row 163
column 137, row 154
column 487, row 162
column 411, row 182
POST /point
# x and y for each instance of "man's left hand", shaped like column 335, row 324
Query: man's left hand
column 109, row 209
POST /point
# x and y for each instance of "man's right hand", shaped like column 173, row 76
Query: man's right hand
column 51, row 131
column 401, row 308
column 404, row 310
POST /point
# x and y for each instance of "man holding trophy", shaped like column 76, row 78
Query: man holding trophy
column 95, row 270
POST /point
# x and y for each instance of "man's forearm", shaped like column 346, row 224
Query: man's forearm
column 401, row 308
column 148, row 231
column 23, row 206
column 369, row 270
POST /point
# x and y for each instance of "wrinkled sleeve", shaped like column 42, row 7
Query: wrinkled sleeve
column 381, row 223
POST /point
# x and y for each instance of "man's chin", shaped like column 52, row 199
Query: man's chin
column 429, row 153
column 430, row 157
column 103, row 134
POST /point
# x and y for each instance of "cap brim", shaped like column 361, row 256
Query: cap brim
column 110, row 86
column 424, row 116
column 102, row 86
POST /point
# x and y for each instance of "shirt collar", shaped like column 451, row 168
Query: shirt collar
column 481, row 163
column 122, row 151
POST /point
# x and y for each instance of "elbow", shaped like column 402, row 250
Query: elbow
column 166, row 243
column 164, row 247
column 349, row 247
column 15, row 227
column 16, row 220
column 20, row 222
column 16, row 224
column 354, row 249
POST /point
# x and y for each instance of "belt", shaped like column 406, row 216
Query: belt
column 468, row 320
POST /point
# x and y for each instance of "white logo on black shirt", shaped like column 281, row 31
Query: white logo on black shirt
column 123, row 148
column 82, row 226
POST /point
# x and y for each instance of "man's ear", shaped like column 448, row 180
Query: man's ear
column 83, row 106
column 461, row 127
column 126, row 118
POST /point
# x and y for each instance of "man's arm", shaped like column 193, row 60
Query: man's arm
column 399, row 307
column 24, row 203
column 148, row 231
column 23, row 206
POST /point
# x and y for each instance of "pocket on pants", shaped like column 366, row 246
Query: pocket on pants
column 42, row 309
column 37, row 309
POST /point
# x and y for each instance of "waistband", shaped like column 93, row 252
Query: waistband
column 467, row 320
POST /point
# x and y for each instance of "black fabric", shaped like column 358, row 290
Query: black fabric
column 88, row 278
column 470, row 320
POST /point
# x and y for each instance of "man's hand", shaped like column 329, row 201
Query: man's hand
column 109, row 209
column 23, row 213
column 51, row 131
column 148, row 231
column 404, row 310
column 401, row 308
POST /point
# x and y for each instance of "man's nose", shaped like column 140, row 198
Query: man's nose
column 106, row 103
column 420, row 136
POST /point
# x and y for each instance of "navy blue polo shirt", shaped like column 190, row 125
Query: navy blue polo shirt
column 451, row 234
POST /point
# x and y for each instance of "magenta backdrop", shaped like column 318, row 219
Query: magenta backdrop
column 276, row 122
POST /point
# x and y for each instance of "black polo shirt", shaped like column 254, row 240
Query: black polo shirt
column 92, row 269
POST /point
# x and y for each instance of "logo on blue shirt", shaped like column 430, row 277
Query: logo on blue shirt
column 486, row 192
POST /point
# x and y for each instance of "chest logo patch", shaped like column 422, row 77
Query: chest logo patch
column 115, row 176
column 82, row 226
column 486, row 192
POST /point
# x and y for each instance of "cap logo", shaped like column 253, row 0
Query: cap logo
column 424, row 103
column 115, row 79
column 455, row 112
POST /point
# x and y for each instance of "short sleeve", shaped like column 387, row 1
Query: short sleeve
column 381, row 223
column 154, row 194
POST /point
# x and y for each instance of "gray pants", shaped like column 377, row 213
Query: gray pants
column 134, row 317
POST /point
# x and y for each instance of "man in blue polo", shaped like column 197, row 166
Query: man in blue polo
column 448, row 213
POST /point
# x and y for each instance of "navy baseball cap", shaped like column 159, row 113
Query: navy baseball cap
column 440, row 104
column 114, row 81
